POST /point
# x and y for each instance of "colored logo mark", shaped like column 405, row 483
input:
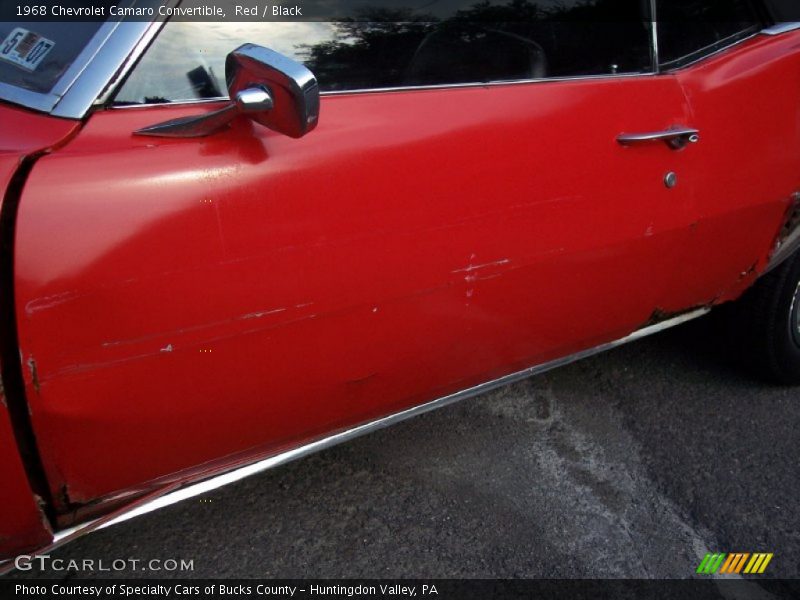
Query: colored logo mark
column 738, row 562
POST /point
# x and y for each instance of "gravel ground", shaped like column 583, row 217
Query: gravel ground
column 633, row 463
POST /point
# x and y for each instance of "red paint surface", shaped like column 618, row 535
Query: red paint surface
column 197, row 301
column 22, row 525
column 747, row 105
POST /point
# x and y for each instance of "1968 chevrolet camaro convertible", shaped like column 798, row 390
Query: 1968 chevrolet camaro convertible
column 226, row 245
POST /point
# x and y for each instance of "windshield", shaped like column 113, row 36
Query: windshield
column 34, row 55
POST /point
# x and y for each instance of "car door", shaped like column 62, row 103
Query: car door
column 191, row 304
column 743, row 85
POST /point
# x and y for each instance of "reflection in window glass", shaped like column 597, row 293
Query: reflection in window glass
column 187, row 60
column 449, row 42
column 686, row 27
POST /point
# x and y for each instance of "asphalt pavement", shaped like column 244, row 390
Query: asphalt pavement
column 633, row 463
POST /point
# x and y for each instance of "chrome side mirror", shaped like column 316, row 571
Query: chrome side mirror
column 292, row 86
column 265, row 86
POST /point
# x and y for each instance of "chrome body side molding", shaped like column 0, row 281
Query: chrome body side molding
column 183, row 490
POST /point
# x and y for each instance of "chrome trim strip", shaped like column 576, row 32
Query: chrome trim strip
column 654, row 38
column 780, row 28
column 409, row 88
column 132, row 58
column 170, row 495
column 200, row 101
column 111, row 63
column 105, row 65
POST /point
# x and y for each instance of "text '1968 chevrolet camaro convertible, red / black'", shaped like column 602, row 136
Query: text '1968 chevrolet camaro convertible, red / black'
column 226, row 244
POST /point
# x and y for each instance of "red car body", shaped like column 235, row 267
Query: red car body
column 185, row 307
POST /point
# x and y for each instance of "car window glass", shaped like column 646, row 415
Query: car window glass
column 390, row 45
column 784, row 10
column 35, row 55
column 689, row 28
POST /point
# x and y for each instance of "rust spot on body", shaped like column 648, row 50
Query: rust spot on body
column 748, row 272
column 34, row 374
column 659, row 314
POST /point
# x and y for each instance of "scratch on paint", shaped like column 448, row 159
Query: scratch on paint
column 46, row 302
column 263, row 313
column 192, row 328
column 84, row 367
column 72, row 369
column 471, row 267
column 81, row 368
column 167, row 348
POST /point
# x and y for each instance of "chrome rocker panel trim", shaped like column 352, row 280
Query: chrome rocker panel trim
column 789, row 243
column 176, row 492
column 785, row 250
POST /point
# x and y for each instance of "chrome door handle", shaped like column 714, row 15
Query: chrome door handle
column 676, row 137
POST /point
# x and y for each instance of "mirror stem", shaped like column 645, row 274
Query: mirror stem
column 191, row 127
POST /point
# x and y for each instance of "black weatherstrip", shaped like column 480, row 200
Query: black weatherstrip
column 13, row 382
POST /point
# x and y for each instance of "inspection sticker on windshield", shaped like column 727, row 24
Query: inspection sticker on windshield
column 25, row 48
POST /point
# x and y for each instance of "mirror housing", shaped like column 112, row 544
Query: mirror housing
column 265, row 86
